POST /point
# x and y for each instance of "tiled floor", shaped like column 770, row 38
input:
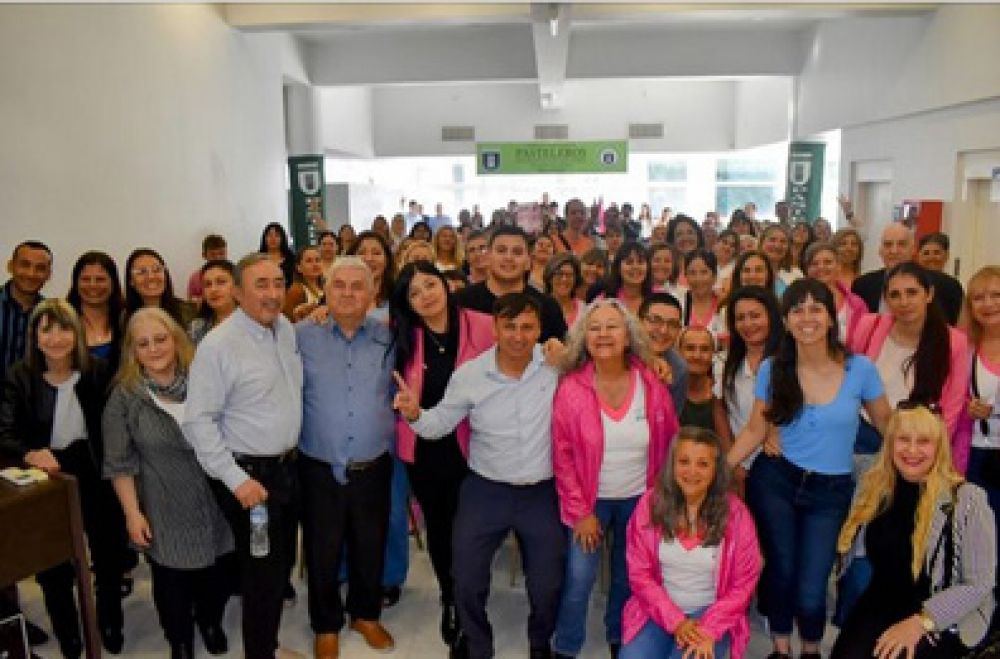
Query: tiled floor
column 413, row 622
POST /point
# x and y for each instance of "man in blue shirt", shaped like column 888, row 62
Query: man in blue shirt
column 507, row 395
column 344, row 464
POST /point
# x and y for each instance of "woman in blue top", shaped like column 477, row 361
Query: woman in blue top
column 807, row 400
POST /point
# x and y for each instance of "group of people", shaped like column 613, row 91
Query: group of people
column 726, row 412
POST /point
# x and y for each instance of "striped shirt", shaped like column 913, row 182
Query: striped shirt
column 13, row 328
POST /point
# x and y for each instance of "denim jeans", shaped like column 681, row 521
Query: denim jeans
column 581, row 571
column 654, row 641
column 799, row 514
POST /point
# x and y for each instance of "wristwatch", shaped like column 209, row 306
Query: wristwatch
column 926, row 621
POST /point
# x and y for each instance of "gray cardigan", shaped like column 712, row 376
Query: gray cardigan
column 144, row 441
column 968, row 603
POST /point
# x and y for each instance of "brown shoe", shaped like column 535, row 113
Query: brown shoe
column 375, row 635
column 327, row 646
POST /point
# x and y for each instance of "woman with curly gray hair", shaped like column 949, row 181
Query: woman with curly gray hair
column 693, row 558
column 612, row 421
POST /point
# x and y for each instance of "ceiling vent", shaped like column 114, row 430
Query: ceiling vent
column 645, row 131
column 551, row 132
column 458, row 134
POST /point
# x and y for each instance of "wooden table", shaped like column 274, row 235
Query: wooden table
column 43, row 527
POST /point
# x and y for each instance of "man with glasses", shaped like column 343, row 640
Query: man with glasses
column 477, row 256
column 509, row 263
column 660, row 314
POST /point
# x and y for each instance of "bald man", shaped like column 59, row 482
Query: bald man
column 896, row 246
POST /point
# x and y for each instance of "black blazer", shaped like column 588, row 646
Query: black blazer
column 947, row 291
column 28, row 404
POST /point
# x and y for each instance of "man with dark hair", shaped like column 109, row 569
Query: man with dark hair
column 213, row 248
column 660, row 314
column 30, row 267
column 509, row 263
column 506, row 393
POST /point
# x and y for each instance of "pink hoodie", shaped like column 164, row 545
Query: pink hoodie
column 739, row 569
column 475, row 336
column 869, row 336
column 578, row 437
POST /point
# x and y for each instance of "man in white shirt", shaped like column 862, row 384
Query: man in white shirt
column 507, row 395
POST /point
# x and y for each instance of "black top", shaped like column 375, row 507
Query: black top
column 479, row 297
column 889, row 546
column 947, row 291
column 698, row 414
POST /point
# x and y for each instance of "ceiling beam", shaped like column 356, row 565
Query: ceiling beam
column 550, row 27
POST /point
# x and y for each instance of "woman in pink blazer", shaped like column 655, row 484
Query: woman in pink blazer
column 433, row 338
column 820, row 261
column 612, row 421
column 919, row 357
column 693, row 559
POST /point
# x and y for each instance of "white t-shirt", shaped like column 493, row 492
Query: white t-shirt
column 738, row 406
column 988, row 383
column 626, row 449
column 175, row 410
column 890, row 363
column 689, row 575
column 68, row 424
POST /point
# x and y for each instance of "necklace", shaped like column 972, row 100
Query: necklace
column 440, row 346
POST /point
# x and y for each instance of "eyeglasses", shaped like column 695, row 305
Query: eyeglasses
column 478, row 249
column 908, row 405
column 563, row 275
column 145, row 272
column 660, row 321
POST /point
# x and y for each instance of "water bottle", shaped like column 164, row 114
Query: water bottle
column 260, row 545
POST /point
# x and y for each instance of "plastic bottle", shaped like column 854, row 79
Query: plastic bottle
column 260, row 545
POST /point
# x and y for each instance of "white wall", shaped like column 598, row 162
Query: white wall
column 762, row 111
column 697, row 116
column 346, row 114
column 138, row 125
column 870, row 69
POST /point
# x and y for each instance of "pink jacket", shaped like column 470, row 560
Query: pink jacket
column 475, row 336
column 868, row 338
column 739, row 569
column 578, row 437
column 856, row 309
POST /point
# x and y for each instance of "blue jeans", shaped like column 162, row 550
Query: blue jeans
column 799, row 514
column 581, row 571
column 654, row 641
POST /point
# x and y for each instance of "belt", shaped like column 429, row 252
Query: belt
column 287, row 456
column 355, row 467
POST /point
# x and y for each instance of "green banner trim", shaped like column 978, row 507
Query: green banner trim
column 598, row 157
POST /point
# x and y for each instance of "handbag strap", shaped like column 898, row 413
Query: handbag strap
column 947, row 541
column 984, row 424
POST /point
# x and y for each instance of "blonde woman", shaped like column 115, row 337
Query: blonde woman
column 447, row 249
column 930, row 540
column 169, row 509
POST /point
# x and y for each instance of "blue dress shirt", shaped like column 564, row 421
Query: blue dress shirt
column 347, row 393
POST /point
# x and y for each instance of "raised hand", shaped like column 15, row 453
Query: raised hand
column 406, row 401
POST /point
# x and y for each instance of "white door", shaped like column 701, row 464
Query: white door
column 983, row 216
column 874, row 207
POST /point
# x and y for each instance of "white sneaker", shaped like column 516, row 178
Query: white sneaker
column 285, row 653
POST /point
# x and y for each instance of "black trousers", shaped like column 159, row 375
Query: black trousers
column 262, row 580
column 183, row 597
column 436, row 476
column 104, row 524
column 487, row 512
column 335, row 514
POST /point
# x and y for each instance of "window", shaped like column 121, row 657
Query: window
column 741, row 180
column 730, row 197
column 738, row 170
column 670, row 171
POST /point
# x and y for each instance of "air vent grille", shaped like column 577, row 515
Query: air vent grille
column 551, row 132
column 458, row 134
column 645, row 131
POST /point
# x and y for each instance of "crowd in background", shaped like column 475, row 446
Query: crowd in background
column 729, row 408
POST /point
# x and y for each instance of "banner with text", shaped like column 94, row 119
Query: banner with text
column 805, row 180
column 551, row 157
column 308, row 185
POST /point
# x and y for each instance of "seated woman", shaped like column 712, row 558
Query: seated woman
column 693, row 559
column 169, row 508
column 612, row 421
column 930, row 540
